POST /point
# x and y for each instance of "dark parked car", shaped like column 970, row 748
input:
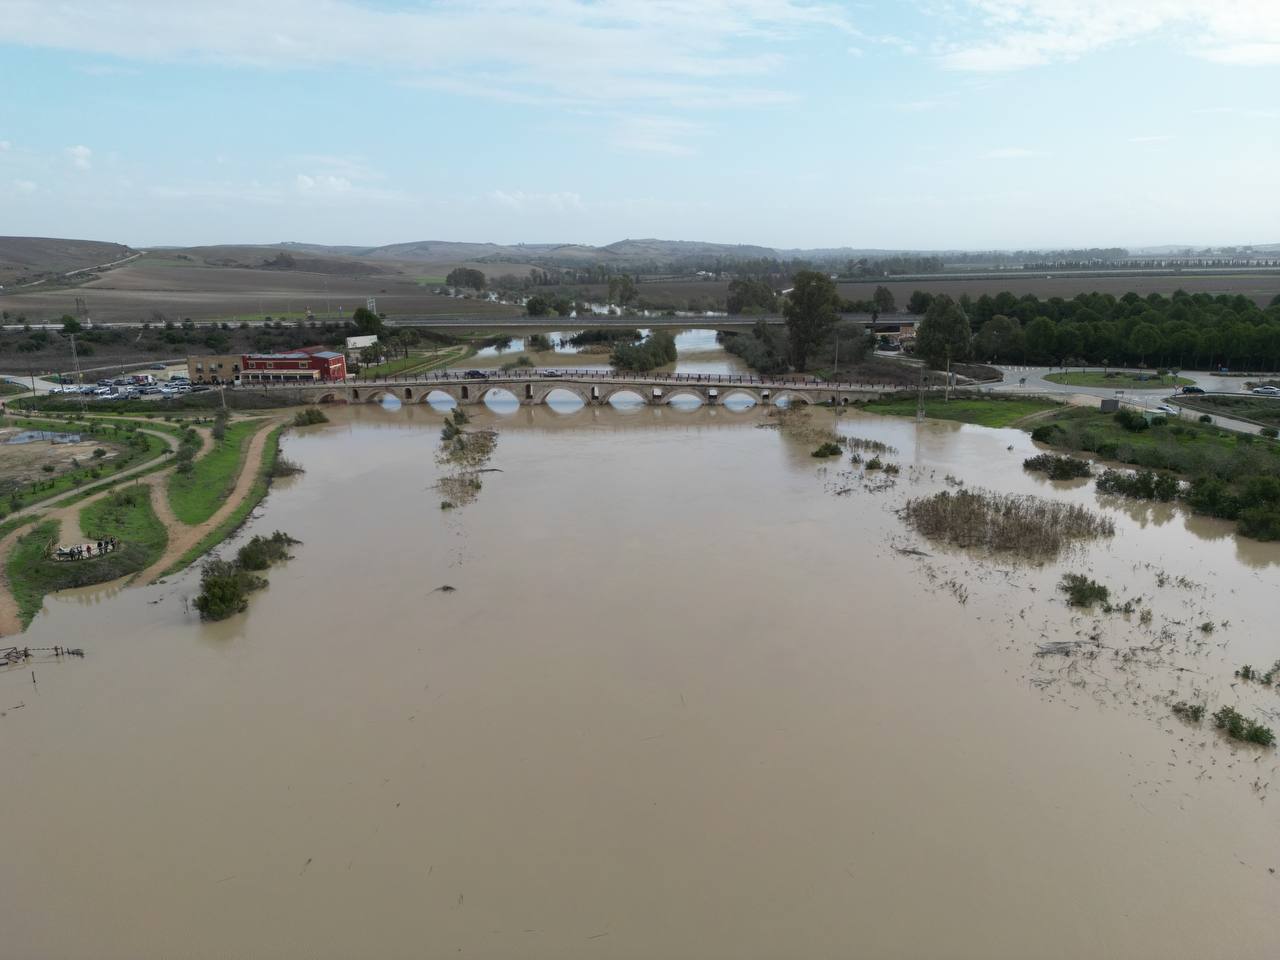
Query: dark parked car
column 476, row 375
column 1192, row 390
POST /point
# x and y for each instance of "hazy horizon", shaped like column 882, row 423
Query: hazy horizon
column 974, row 125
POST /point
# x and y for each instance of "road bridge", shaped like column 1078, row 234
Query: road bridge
column 590, row 386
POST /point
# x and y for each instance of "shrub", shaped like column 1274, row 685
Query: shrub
column 1191, row 712
column 892, row 469
column 284, row 467
column 309, row 417
column 1131, row 420
column 1269, row 432
column 827, row 449
column 1083, row 592
column 1205, row 418
column 225, row 589
column 1142, row 485
column 1058, row 468
column 261, row 552
column 1239, row 727
column 1046, row 432
column 875, row 463
column 99, row 453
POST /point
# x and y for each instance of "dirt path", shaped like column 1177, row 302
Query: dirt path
column 181, row 537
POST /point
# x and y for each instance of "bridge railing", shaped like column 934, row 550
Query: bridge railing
column 613, row 376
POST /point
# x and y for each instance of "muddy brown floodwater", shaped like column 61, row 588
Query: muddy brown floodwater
column 686, row 700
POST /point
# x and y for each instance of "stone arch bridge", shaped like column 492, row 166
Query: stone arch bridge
column 591, row 387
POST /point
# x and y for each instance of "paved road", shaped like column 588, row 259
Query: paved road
column 1036, row 382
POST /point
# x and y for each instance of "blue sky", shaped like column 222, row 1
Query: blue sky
column 929, row 124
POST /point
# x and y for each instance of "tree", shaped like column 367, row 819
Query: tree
column 883, row 299
column 1042, row 339
column 1145, row 339
column 919, row 302
column 466, row 277
column 751, row 296
column 537, row 306
column 811, row 312
column 70, row 324
column 999, row 339
column 944, row 333
column 366, row 321
column 622, row 289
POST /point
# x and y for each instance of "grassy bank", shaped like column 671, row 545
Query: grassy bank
column 1258, row 409
column 1117, row 381
column 237, row 517
column 126, row 515
column 986, row 411
column 195, row 496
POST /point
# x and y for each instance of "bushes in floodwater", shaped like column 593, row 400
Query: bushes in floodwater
column 1030, row 527
column 1142, row 485
column 1083, row 592
column 1191, row 712
column 1058, row 468
column 261, row 552
column 309, row 417
column 225, row 585
column 828, row 449
column 601, row 335
column 1239, row 727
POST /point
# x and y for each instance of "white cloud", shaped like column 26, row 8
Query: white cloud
column 322, row 184
column 522, row 202
column 580, row 50
column 81, row 157
column 1025, row 33
column 1011, row 153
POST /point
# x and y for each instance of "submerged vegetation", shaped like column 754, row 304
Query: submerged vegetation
column 827, row 449
column 1239, row 727
column 1029, row 527
column 466, row 452
column 1058, row 468
column 309, row 417
column 1141, row 485
column 657, row 351
column 1083, row 592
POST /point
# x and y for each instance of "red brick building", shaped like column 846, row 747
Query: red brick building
column 305, row 365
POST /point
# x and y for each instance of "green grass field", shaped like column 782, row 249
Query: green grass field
column 126, row 514
column 196, row 496
column 418, row 362
column 1117, row 381
column 1192, row 449
column 8, row 389
column 993, row 411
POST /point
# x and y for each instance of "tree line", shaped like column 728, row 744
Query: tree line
column 1184, row 330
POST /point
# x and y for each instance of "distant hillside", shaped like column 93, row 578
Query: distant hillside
column 27, row 259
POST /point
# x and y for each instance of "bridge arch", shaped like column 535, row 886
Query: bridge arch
column 735, row 391
column 791, row 396
column 640, row 392
column 438, row 395
column 540, row 394
column 698, row 393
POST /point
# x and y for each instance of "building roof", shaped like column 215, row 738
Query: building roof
column 277, row 356
column 326, row 355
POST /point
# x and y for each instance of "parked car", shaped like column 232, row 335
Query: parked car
column 552, row 373
column 1192, row 390
column 200, row 388
column 1166, row 408
column 1266, row 391
column 158, row 366
column 476, row 375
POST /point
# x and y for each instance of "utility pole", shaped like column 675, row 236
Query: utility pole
column 835, row 370
column 75, row 359
column 946, row 390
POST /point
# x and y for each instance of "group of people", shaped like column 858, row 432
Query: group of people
column 83, row 551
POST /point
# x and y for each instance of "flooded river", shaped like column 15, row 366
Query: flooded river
column 687, row 699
